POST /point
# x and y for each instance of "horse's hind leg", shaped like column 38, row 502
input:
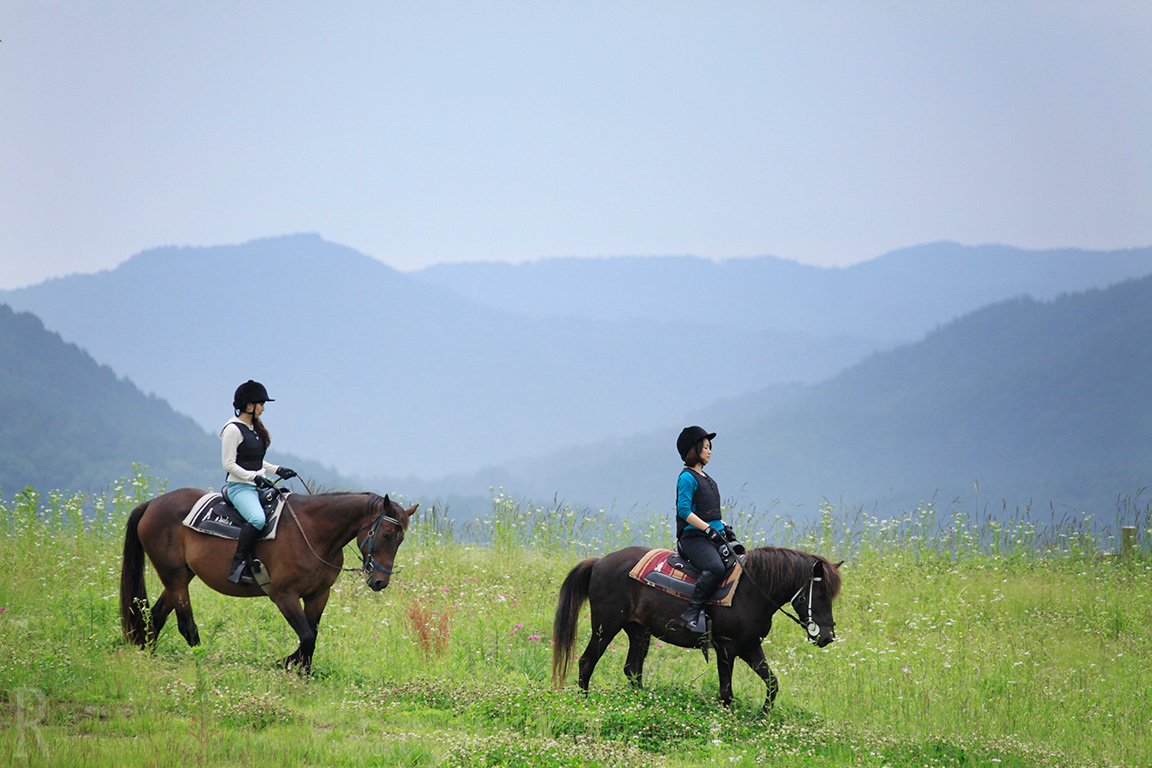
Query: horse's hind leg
column 602, row 635
column 156, row 618
column 638, row 639
column 175, row 597
column 184, row 620
column 755, row 659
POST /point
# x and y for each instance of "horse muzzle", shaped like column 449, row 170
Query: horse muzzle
column 819, row 635
column 378, row 581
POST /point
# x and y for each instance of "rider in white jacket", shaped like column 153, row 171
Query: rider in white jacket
column 244, row 440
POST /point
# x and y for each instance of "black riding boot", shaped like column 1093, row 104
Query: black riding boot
column 694, row 618
column 240, row 573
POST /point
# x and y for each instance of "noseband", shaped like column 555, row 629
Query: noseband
column 812, row 627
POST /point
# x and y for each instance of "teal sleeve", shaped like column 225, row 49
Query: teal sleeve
column 686, row 487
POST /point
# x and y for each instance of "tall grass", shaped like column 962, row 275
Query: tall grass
column 1015, row 639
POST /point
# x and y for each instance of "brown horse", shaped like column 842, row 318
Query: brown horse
column 772, row 577
column 303, row 560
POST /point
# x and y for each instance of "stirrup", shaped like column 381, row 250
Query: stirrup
column 241, row 574
column 697, row 624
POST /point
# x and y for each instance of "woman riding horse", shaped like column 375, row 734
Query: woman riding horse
column 701, row 535
column 244, row 440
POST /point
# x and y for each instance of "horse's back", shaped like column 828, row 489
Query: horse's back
column 169, row 509
column 612, row 563
column 610, row 573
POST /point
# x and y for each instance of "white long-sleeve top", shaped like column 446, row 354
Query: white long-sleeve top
column 230, row 440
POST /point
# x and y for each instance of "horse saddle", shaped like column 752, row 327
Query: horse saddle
column 670, row 572
column 214, row 514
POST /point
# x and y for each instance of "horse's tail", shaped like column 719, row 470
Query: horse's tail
column 133, row 593
column 573, row 593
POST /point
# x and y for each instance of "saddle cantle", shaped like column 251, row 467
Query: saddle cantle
column 215, row 515
column 670, row 572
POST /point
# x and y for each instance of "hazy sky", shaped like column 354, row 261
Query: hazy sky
column 422, row 132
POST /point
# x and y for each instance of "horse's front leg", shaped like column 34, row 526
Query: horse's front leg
column 724, row 662
column 754, row 657
column 314, row 605
column 289, row 606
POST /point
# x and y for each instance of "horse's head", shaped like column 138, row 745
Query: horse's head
column 379, row 540
column 813, row 601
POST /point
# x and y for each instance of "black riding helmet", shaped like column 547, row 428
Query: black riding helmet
column 690, row 436
column 247, row 393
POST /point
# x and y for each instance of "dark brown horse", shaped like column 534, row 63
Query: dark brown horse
column 772, row 577
column 303, row 560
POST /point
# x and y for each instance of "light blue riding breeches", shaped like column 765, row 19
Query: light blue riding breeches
column 243, row 496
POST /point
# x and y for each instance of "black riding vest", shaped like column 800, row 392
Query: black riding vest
column 706, row 501
column 250, row 452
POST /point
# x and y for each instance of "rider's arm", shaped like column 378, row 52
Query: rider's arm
column 686, row 487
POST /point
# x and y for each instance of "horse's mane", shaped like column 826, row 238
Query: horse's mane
column 375, row 501
column 773, row 564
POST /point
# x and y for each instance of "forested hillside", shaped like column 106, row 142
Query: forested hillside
column 378, row 373
column 68, row 423
column 1023, row 402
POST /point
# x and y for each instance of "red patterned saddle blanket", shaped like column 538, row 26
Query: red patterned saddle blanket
column 667, row 571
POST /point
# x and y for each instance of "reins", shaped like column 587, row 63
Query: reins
column 367, row 563
column 810, row 626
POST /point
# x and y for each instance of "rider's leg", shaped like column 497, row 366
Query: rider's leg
column 247, row 503
column 703, row 555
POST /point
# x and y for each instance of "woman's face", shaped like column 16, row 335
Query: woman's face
column 256, row 409
column 705, row 452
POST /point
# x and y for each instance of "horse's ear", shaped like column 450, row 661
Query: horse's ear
column 412, row 511
column 839, row 564
column 818, row 569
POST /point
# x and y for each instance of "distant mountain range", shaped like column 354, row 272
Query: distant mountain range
column 382, row 374
column 1023, row 403
column 461, row 378
column 896, row 297
column 70, row 424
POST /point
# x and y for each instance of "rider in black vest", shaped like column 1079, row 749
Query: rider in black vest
column 700, row 530
column 244, row 442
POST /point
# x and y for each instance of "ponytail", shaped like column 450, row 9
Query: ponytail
column 261, row 431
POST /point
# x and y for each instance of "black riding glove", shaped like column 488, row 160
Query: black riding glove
column 729, row 534
column 715, row 536
column 286, row 474
column 263, row 482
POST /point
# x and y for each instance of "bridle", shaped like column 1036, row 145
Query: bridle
column 810, row 626
column 367, row 564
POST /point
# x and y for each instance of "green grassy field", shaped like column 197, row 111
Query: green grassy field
column 959, row 644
